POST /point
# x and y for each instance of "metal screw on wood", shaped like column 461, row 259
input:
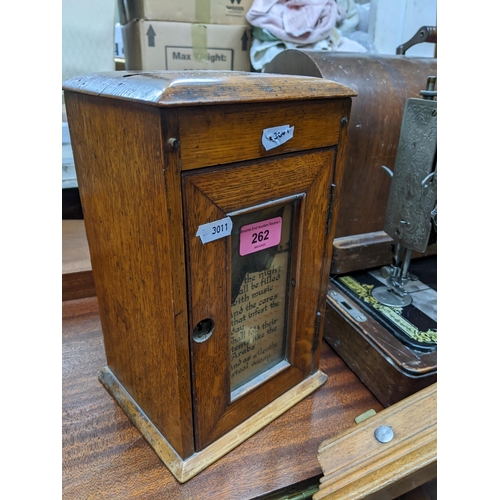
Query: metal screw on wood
column 384, row 434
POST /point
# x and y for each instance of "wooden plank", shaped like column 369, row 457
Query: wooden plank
column 356, row 465
column 367, row 250
column 427, row 491
column 184, row 470
column 191, row 88
column 105, row 456
column 205, row 139
column 123, row 186
column 77, row 278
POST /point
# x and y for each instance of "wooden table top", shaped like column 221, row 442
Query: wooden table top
column 75, row 249
column 104, row 456
column 77, row 278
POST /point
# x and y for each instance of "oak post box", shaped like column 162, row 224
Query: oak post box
column 209, row 206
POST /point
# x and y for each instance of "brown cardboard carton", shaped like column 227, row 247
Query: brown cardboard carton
column 159, row 45
column 188, row 11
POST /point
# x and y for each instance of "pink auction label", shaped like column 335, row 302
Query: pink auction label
column 259, row 235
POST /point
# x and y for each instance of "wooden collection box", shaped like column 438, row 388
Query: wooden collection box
column 209, row 208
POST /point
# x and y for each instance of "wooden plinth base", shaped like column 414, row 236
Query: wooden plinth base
column 183, row 470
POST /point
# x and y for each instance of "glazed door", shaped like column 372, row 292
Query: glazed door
column 255, row 239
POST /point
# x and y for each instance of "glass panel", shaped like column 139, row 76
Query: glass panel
column 260, row 262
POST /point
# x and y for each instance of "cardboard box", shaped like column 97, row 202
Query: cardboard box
column 189, row 11
column 159, row 45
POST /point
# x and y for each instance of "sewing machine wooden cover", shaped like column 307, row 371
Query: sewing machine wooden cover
column 383, row 83
column 209, row 208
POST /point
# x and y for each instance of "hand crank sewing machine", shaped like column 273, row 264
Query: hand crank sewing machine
column 383, row 321
column 412, row 206
column 382, row 316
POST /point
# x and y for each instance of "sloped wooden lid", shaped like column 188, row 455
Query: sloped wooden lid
column 193, row 88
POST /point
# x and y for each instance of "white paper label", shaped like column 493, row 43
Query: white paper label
column 276, row 136
column 215, row 230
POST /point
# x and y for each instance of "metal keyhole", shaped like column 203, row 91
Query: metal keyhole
column 203, row 330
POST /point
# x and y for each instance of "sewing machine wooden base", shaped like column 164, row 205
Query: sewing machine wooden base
column 390, row 367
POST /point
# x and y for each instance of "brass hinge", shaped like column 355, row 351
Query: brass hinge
column 329, row 215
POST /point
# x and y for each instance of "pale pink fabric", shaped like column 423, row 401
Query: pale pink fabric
column 296, row 21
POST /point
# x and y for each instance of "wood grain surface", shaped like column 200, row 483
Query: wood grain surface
column 391, row 370
column 356, row 465
column 77, row 278
column 132, row 134
column 366, row 250
column 75, row 249
column 191, row 88
column 212, row 136
column 383, row 83
column 212, row 195
column 131, row 207
column 104, row 456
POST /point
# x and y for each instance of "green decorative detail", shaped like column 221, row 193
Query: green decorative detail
column 393, row 314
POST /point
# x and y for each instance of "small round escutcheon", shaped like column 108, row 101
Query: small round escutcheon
column 203, row 330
